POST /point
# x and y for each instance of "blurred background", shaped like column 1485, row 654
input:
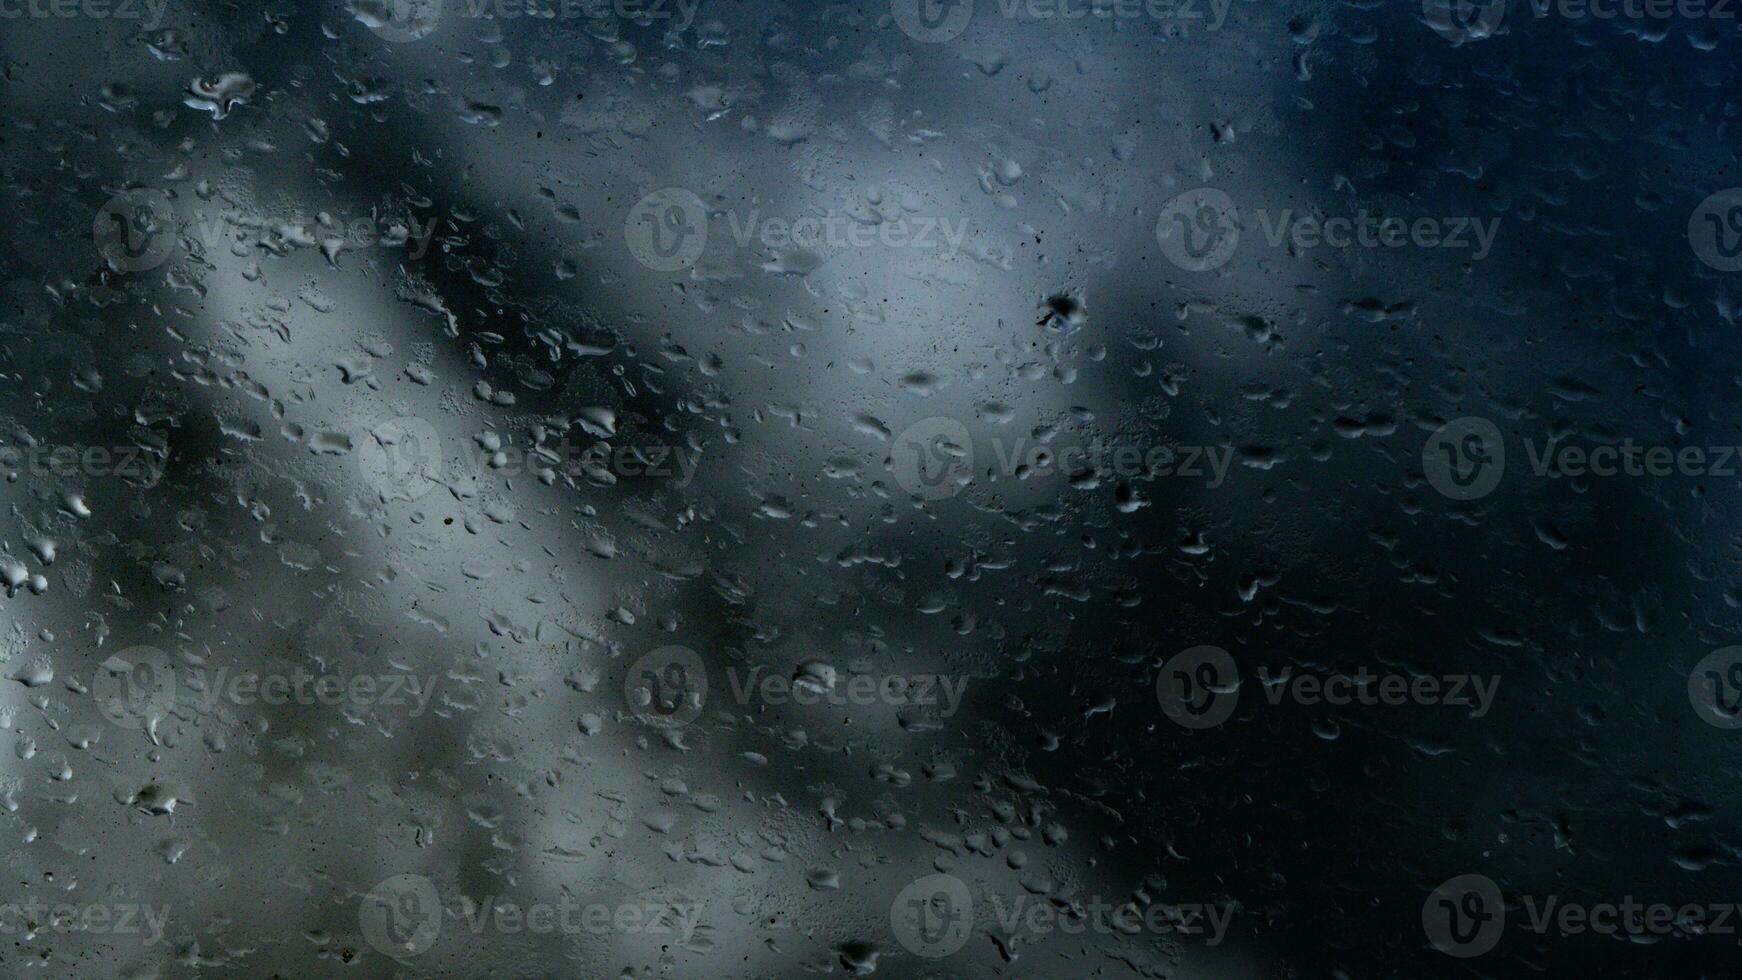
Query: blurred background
column 700, row 488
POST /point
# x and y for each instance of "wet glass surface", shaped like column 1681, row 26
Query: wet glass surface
column 916, row 488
